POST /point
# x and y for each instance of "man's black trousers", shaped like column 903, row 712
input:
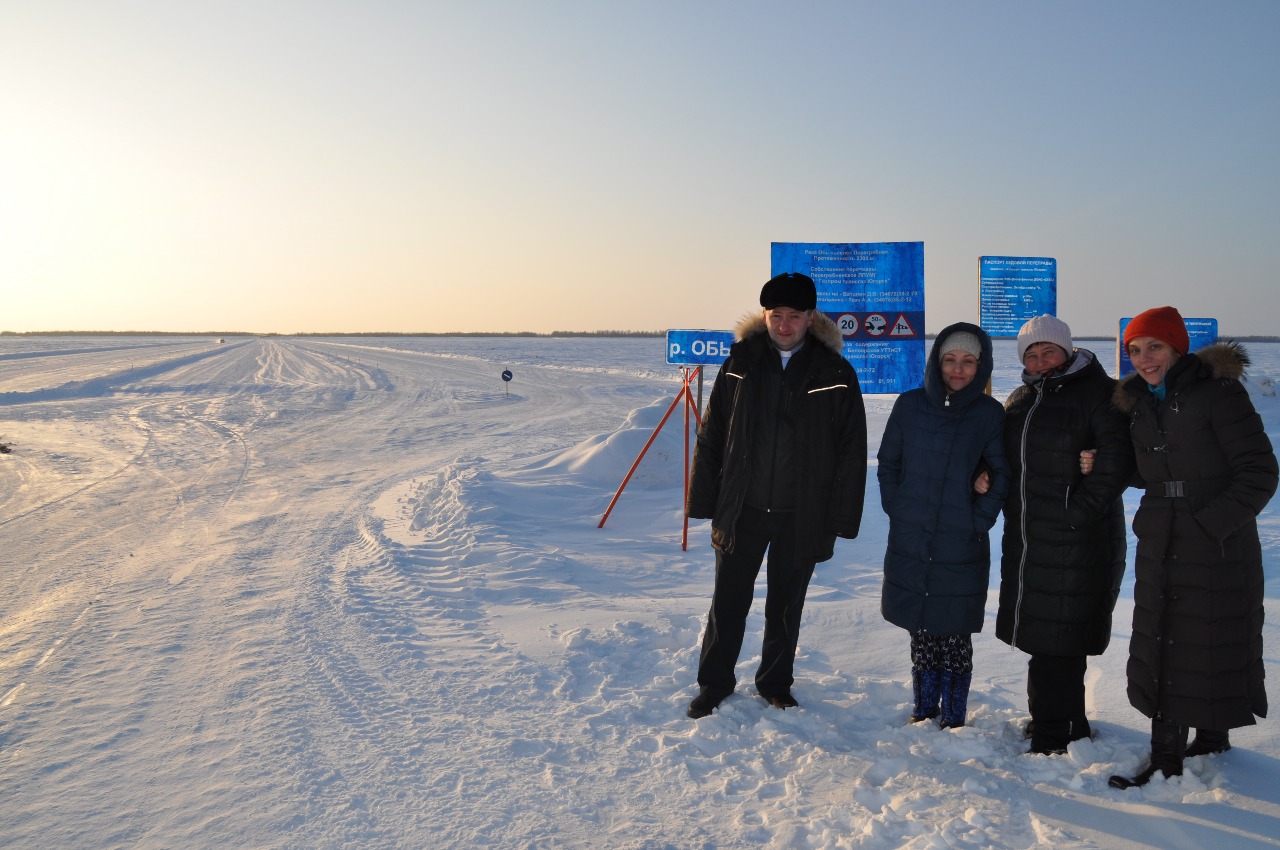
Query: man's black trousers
column 787, row 581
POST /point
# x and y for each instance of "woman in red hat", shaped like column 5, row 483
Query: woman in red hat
column 1195, row 658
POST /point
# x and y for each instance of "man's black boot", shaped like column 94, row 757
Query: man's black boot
column 1050, row 737
column 783, row 700
column 705, row 702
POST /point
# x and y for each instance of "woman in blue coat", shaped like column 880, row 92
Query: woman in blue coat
column 943, row 479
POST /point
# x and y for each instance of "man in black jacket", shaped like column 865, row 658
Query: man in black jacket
column 780, row 466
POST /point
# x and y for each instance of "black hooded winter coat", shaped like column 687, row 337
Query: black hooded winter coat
column 937, row 565
column 820, row 473
column 1208, row 467
column 1063, row 552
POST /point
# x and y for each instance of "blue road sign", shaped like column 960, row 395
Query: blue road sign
column 506, row 374
column 698, row 348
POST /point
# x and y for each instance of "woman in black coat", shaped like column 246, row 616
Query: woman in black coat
column 1195, row 658
column 1063, row 553
column 938, row 440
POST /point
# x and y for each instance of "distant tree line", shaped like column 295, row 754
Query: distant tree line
column 610, row 333
column 522, row 334
column 130, row 333
column 342, row 334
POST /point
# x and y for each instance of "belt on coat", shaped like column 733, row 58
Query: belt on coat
column 1186, row 489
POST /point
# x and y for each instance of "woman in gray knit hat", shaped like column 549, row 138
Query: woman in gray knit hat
column 1063, row 553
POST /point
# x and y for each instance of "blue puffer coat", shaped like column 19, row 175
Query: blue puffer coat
column 938, row 562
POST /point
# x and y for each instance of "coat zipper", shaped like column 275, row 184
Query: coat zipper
column 1022, row 514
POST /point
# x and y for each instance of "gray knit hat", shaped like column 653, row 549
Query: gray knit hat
column 962, row 341
column 1044, row 328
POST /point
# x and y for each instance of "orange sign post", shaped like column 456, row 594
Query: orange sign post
column 686, row 395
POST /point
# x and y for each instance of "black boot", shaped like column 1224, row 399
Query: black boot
column 1209, row 742
column 782, row 701
column 1050, row 737
column 1168, row 748
column 1080, row 729
column 705, row 702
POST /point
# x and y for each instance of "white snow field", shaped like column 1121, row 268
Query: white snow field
column 299, row 592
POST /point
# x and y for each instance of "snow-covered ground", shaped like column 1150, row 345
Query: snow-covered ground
column 308, row 593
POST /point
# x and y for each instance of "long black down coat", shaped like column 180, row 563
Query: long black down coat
column 1195, row 657
column 1063, row 552
column 937, row 566
column 827, row 465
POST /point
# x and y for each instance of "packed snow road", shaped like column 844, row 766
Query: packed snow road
column 199, row 598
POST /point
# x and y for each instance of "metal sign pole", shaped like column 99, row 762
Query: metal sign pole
column 684, row 536
column 685, row 395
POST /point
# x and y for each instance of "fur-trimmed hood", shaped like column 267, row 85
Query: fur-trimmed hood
column 823, row 330
column 1221, row 361
column 936, row 388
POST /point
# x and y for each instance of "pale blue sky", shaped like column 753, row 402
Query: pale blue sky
column 400, row 166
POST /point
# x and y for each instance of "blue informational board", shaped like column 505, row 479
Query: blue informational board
column 698, row 348
column 1200, row 332
column 874, row 292
column 1012, row 290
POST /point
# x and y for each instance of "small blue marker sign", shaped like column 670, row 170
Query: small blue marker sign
column 698, row 348
column 506, row 375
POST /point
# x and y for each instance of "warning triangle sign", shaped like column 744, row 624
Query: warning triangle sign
column 901, row 327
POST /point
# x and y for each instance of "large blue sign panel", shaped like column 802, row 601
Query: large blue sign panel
column 1012, row 290
column 1200, row 332
column 874, row 292
column 698, row 348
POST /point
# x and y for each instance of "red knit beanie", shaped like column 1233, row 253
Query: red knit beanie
column 1163, row 323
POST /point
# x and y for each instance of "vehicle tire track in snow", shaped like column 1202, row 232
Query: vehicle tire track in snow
column 387, row 636
column 152, row 461
column 461, row 547
column 86, row 487
column 402, row 654
column 192, row 464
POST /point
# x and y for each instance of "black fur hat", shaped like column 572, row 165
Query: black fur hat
column 790, row 289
